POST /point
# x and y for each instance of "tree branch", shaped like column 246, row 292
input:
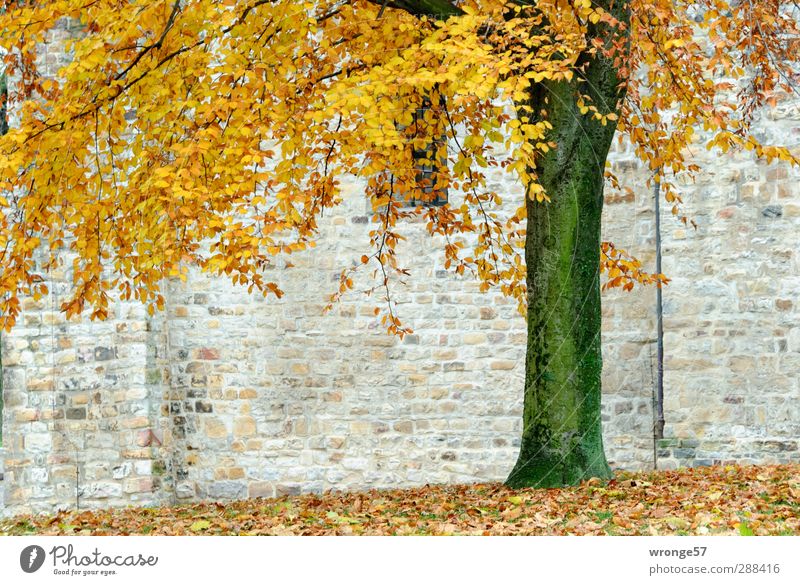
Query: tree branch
column 439, row 9
column 157, row 45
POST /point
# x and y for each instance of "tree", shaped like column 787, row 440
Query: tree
column 214, row 134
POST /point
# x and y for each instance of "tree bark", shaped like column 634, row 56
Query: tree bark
column 562, row 441
column 3, row 103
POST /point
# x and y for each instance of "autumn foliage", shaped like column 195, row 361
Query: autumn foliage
column 215, row 133
column 730, row 499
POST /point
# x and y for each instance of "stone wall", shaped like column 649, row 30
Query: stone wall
column 227, row 395
column 76, row 403
column 731, row 318
column 282, row 398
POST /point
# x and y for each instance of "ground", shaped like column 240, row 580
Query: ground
column 727, row 499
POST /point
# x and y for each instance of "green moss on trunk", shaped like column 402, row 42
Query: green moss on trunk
column 562, row 441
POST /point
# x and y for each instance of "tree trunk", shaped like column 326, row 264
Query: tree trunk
column 562, row 442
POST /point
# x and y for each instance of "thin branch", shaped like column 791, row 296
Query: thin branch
column 157, row 45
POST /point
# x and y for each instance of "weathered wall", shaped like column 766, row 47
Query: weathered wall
column 732, row 332
column 228, row 395
column 282, row 398
column 76, row 400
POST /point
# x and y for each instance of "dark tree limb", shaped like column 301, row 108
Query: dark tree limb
column 439, row 9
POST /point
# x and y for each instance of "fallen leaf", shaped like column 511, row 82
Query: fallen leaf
column 200, row 525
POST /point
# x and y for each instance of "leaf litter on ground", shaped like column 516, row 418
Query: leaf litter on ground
column 723, row 499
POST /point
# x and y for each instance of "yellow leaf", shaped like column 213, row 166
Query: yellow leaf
column 200, row 526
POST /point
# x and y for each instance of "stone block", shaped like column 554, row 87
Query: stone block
column 260, row 489
column 37, row 442
column 138, row 485
column 101, row 490
column 502, row 365
column 227, row 490
column 404, row 426
column 214, row 428
column 244, row 426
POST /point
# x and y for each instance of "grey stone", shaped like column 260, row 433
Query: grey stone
column 229, row 490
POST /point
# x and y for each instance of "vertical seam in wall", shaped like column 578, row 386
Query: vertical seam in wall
column 175, row 454
column 64, row 431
